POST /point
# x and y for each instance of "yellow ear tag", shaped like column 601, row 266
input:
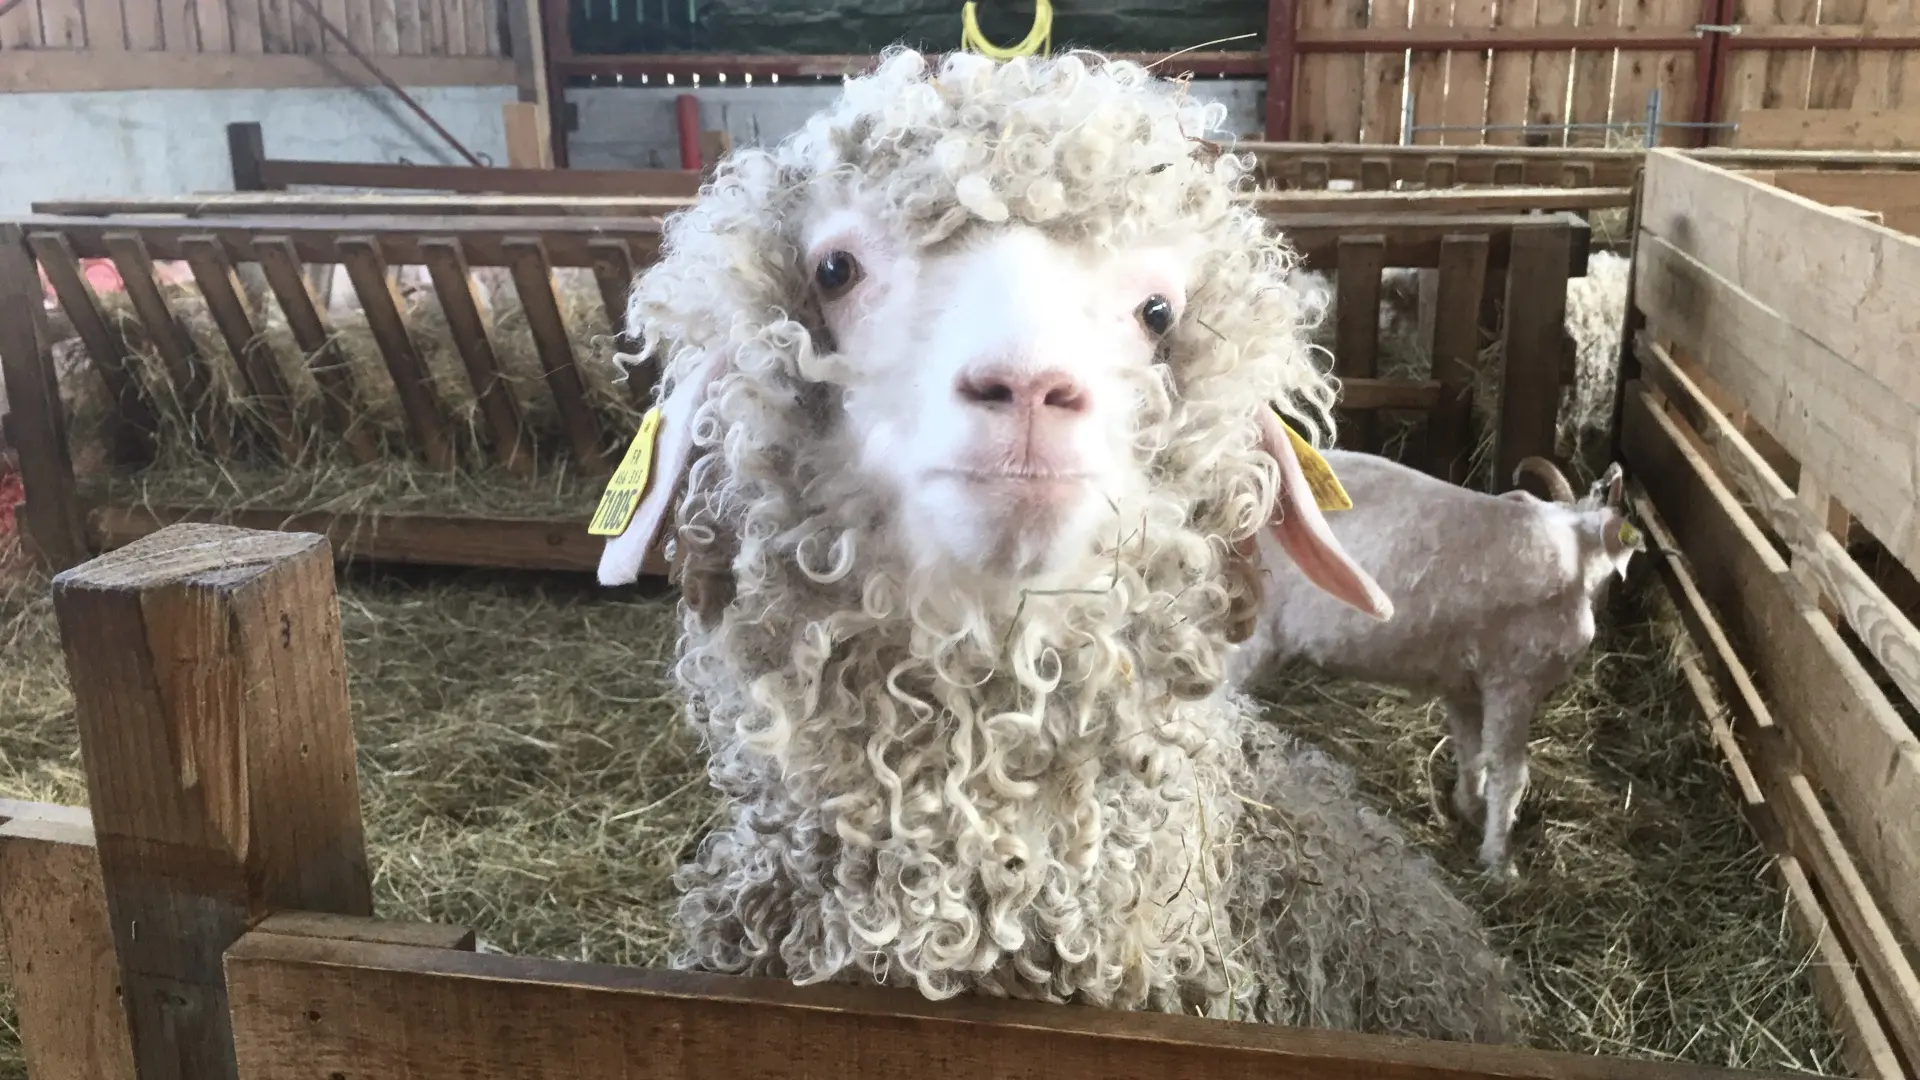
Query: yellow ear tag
column 629, row 482
column 1327, row 492
column 1629, row 536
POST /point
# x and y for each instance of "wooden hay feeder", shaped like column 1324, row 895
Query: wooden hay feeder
column 1524, row 259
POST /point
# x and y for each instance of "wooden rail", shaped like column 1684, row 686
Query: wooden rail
column 221, row 879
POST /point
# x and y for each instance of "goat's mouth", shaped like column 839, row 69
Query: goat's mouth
column 1019, row 488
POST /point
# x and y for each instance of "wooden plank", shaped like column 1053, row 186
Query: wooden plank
column 44, row 70
column 1813, row 497
column 246, row 20
column 1855, row 745
column 1835, row 74
column 1384, row 78
column 332, row 373
column 528, row 143
column 212, row 26
column 20, row 27
column 454, row 18
column 498, row 406
column 62, row 968
column 466, row 1014
column 406, row 15
column 358, row 24
column 1536, row 346
column 1329, row 89
column 106, row 26
column 1511, row 74
column 36, row 426
column 533, row 280
column 481, row 29
column 1552, row 69
column 1281, row 204
column 1593, row 68
column 462, row 178
column 186, row 368
column 1789, row 71
column 62, row 24
column 252, row 354
column 419, row 935
column 1456, row 351
column 1467, row 71
column 1882, row 72
column 407, row 539
column 1894, row 195
column 1356, row 350
column 419, row 402
column 1428, row 73
column 385, row 27
column 1801, row 312
column 133, row 420
column 179, row 31
column 1787, row 128
column 1362, row 394
column 210, row 691
column 276, row 26
column 143, row 34
column 336, row 13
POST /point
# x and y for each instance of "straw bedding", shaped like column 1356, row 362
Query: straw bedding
column 523, row 771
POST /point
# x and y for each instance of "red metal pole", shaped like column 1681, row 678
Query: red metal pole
column 686, row 109
column 556, row 39
column 1281, row 51
column 1711, row 70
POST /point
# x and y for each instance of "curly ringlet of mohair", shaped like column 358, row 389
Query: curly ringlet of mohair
column 971, row 790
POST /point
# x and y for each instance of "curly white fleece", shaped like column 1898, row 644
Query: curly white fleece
column 962, row 789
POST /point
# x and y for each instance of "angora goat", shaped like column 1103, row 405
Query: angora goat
column 1494, row 599
column 967, row 385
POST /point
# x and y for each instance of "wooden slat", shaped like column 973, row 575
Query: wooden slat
column 1894, row 195
column 529, row 145
column 20, row 27
column 1547, row 92
column 1803, row 314
column 1836, row 72
column 1854, row 744
column 336, row 13
column 533, row 280
column 408, row 539
column 1882, row 73
column 1428, row 73
column 316, row 241
column 106, row 27
column 36, row 426
column 83, row 72
column 499, row 407
column 1510, row 76
column 406, row 15
column 1535, row 346
column 1329, row 90
column 419, row 935
column 386, row 27
column 332, row 373
column 179, row 30
column 1789, row 71
column 1356, row 350
column 259, row 372
column 1593, row 68
column 1384, row 78
column 307, row 1001
column 1467, row 72
column 433, row 37
column 143, row 33
column 211, row 697
column 62, row 969
column 359, row 23
column 186, row 368
column 1364, row 394
column 276, row 25
column 454, row 18
column 246, row 19
column 62, row 25
column 419, row 401
column 1814, row 129
column 1456, row 349
column 134, row 424
column 480, row 32
column 212, row 26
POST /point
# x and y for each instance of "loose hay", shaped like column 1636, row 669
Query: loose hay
column 523, row 771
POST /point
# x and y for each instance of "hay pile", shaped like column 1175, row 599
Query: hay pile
column 523, row 771
column 191, row 470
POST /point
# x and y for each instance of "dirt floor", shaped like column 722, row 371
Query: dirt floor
column 523, row 771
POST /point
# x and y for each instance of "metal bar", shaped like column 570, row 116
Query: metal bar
column 387, row 81
column 1282, row 51
column 1824, row 44
column 1209, row 63
column 1621, row 125
column 1653, row 118
column 556, row 36
column 686, row 112
column 1706, row 64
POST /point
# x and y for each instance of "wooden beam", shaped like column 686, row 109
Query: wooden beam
column 465, row 178
column 67, row 71
column 1828, row 129
column 1456, row 354
column 210, row 690
column 65, row 978
column 1895, row 196
column 36, row 426
column 414, row 539
column 529, row 143
column 319, row 924
column 246, row 149
column 1536, row 349
column 1442, row 201
column 1356, row 344
column 307, row 1007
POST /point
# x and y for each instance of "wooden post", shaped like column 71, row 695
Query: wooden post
column 211, row 695
column 65, row 979
column 1456, row 352
column 36, row 428
column 247, row 149
column 1280, row 52
column 1536, row 345
column 529, row 143
column 1356, row 344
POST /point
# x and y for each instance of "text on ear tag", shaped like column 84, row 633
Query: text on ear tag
column 1328, row 495
column 629, row 482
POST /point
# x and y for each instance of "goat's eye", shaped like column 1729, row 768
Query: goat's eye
column 1156, row 314
column 836, row 273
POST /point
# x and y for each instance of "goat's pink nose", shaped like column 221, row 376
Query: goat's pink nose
column 1022, row 391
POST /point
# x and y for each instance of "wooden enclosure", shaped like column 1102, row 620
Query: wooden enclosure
column 220, row 885
column 1770, row 415
column 1525, row 260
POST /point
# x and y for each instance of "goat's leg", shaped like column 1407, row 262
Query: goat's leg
column 1507, row 714
column 1469, row 795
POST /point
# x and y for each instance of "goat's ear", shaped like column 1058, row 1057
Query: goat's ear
column 1302, row 531
column 1615, row 481
column 621, row 559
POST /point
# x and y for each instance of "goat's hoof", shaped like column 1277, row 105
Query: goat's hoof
column 1500, row 869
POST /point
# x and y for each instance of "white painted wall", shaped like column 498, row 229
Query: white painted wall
column 633, row 127
column 174, row 142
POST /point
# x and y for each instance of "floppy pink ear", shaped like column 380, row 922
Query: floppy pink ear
column 621, row 559
column 1303, row 534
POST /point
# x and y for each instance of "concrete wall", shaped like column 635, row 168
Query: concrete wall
column 632, row 127
column 174, row 142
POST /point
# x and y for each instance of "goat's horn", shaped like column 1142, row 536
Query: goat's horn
column 1549, row 475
